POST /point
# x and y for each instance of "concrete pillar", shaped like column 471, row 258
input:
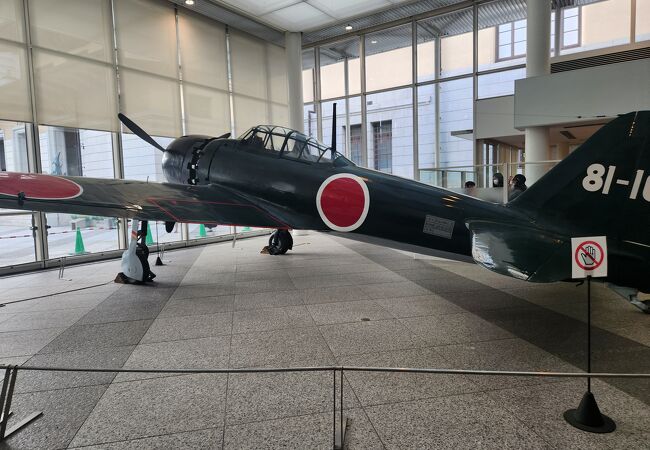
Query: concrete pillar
column 293, row 48
column 538, row 49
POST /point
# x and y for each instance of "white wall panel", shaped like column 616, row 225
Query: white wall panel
column 586, row 93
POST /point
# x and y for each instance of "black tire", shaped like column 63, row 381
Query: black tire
column 280, row 242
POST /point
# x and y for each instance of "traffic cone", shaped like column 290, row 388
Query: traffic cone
column 202, row 231
column 149, row 239
column 79, row 248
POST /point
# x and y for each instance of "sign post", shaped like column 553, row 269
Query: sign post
column 589, row 259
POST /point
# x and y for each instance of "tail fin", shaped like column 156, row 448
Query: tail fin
column 603, row 187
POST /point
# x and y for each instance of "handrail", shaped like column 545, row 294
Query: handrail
column 344, row 368
column 338, row 426
column 479, row 166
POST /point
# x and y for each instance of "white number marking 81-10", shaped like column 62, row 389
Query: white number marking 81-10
column 594, row 181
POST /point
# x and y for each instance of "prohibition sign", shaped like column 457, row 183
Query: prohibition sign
column 582, row 252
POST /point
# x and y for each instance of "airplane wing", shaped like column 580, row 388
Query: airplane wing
column 134, row 199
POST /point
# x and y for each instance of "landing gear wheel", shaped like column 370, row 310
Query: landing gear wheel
column 280, row 242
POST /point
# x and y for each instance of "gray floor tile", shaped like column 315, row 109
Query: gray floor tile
column 465, row 421
column 107, row 358
column 188, row 327
column 367, row 337
column 42, row 319
column 453, row 329
column 148, row 408
column 304, row 432
column 541, row 407
column 268, row 319
column 321, row 281
column 330, row 313
column 64, row 411
column 198, row 306
column 291, row 347
column 20, row 343
column 374, row 388
column 268, row 299
column 417, row 306
column 395, row 289
column 260, row 275
column 98, row 336
column 257, row 397
column 203, row 353
column 274, row 285
column 333, row 294
column 196, row 291
column 200, row 440
column 504, row 354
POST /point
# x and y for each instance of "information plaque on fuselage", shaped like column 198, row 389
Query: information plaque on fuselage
column 438, row 226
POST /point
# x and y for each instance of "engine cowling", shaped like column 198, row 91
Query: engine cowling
column 181, row 158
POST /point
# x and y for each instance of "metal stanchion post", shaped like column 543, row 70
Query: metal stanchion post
column 339, row 435
column 587, row 416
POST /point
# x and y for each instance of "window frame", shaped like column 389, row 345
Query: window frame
column 497, row 43
column 578, row 30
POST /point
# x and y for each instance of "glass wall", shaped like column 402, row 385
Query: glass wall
column 16, row 235
column 176, row 73
column 447, row 72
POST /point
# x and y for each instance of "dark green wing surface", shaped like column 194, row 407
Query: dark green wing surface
column 134, row 199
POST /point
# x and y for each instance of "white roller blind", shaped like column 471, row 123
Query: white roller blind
column 249, row 112
column 75, row 27
column 11, row 20
column 74, row 92
column 152, row 102
column 146, row 36
column 279, row 115
column 207, row 111
column 203, row 50
column 14, row 83
column 248, row 62
column 277, row 73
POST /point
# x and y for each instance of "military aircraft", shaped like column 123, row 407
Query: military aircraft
column 278, row 178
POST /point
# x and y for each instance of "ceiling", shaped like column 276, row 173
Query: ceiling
column 306, row 15
column 325, row 20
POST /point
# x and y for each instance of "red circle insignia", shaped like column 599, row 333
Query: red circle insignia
column 38, row 186
column 343, row 202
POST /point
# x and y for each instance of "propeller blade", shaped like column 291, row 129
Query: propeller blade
column 139, row 131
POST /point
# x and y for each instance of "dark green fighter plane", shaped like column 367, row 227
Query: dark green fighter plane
column 278, row 178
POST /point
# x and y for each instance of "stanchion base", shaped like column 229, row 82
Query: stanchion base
column 587, row 417
column 22, row 424
column 339, row 442
column 159, row 261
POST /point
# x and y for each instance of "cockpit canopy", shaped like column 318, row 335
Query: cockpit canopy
column 292, row 144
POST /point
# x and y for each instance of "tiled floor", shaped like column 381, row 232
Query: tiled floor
column 328, row 302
